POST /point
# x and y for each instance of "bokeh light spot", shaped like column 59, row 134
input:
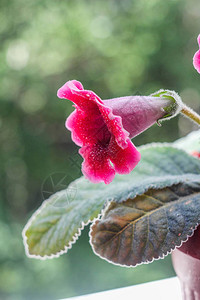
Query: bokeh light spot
column 17, row 55
column 32, row 101
column 101, row 27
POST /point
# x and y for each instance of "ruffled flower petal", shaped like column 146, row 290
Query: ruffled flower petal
column 124, row 160
column 85, row 127
column 101, row 163
column 92, row 110
column 106, row 147
column 96, row 165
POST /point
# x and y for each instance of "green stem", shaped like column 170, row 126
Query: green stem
column 188, row 112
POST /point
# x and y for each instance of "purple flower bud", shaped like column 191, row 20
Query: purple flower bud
column 138, row 112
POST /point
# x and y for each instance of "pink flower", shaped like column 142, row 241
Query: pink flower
column 196, row 58
column 103, row 129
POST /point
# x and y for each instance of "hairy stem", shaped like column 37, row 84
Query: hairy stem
column 189, row 113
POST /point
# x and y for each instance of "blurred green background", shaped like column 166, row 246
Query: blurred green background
column 113, row 47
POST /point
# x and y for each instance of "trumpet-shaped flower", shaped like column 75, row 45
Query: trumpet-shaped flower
column 103, row 129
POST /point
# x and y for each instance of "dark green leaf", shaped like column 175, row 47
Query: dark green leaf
column 149, row 226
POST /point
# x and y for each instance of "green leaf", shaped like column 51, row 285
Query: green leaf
column 149, row 226
column 189, row 143
column 58, row 222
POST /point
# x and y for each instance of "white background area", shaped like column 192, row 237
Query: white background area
column 167, row 289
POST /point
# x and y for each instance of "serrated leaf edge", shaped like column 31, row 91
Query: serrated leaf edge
column 144, row 147
column 158, row 185
column 83, row 224
column 147, row 262
column 62, row 251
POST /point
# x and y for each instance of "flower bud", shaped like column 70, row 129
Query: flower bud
column 138, row 112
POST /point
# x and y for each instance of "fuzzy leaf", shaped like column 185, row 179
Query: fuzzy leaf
column 189, row 143
column 56, row 225
column 149, row 226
